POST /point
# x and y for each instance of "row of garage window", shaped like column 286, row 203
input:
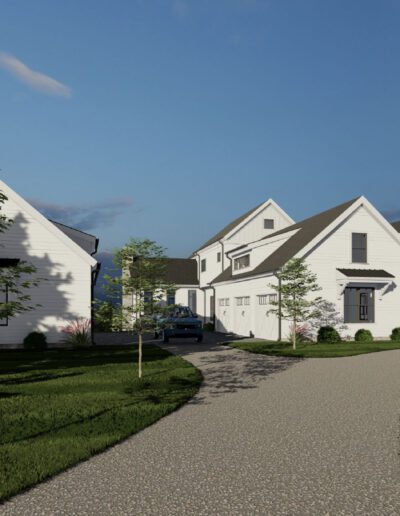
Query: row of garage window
column 263, row 299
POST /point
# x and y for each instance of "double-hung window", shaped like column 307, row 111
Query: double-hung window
column 359, row 248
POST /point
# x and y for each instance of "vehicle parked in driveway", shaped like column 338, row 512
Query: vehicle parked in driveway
column 181, row 323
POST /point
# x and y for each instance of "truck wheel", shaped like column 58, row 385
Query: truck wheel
column 165, row 337
column 200, row 338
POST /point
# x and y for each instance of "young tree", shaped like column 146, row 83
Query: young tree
column 15, row 279
column 102, row 315
column 295, row 283
column 143, row 265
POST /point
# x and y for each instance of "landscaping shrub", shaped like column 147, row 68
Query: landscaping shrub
column 363, row 336
column 328, row 334
column 208, row 326
column 395, row 336
column 35, row 341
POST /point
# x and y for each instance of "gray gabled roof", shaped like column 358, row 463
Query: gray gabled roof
column 86, row 241
column 396, row 225
column 308, row 229
column 227, row 229
column 181, row 271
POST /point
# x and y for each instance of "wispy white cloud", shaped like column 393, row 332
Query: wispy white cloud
column 36, row 80
column 86, row 217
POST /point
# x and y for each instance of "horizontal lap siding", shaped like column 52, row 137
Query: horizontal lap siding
column 65, row 291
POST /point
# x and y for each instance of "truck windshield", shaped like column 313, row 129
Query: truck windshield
column 182, row 311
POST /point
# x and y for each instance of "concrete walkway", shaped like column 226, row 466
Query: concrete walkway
column 265, row 435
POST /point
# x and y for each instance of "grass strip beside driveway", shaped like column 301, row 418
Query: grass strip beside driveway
column 314, row 350
column 60, row 407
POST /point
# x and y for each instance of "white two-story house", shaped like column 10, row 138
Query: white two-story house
column 352, row 248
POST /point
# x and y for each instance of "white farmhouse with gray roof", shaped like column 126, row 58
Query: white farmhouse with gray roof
column 64, row 260
column 352, row 248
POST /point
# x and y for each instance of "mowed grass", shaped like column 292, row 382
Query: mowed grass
column 314, row 350
column 60, row 407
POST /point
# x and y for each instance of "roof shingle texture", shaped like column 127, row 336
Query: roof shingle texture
column 396, row 225
column 181, row 271
column 86, row 241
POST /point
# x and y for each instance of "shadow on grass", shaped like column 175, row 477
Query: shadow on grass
column 9, row 394
column 36, row 378
column 227, row 370
column 21, row 361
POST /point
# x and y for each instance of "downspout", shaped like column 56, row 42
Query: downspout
column 223, row 255
column 279, row 309
column 215, row 303
column 94, row 276
column 203, row 289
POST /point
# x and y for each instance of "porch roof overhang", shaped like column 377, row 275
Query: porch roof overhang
column 365, row 273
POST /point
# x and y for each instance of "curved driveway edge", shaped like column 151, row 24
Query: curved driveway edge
column 320, row 437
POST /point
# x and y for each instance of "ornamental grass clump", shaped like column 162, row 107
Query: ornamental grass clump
column 78, row 333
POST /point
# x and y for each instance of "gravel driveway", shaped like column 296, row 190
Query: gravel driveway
column 265, row 435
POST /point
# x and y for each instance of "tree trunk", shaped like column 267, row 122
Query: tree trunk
column 140, row 355
column 294, row 334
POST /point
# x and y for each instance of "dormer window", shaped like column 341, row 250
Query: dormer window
column 269, row 223
column 359, row 248
column 241, row 263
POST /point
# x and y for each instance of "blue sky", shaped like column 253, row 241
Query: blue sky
column 167, row 119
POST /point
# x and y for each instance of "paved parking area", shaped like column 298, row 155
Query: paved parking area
column 264, row 435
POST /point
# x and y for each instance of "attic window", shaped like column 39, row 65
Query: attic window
column 241, row 262
column 269, row 223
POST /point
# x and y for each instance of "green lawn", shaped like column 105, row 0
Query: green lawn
column 60, row 407
column 314, row 350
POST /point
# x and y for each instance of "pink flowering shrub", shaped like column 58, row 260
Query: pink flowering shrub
column 77, row 333
column 303, row 333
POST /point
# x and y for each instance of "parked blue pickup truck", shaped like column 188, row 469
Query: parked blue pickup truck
column 181, row 323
